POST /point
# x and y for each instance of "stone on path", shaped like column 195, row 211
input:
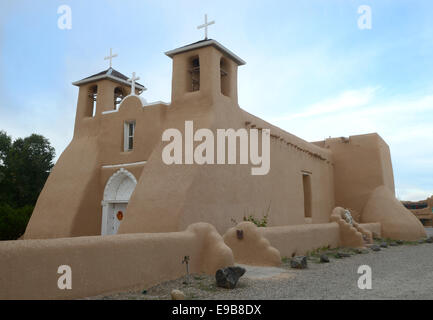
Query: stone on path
column 340, row 255
column 324, row 258
column 228, row 277
column 177, row 295
column 361, row 250
column 299, row 262
column 375, row 247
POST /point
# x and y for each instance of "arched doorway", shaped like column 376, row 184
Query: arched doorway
column 117, row 192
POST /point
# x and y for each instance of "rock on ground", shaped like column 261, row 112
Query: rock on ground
column 324, row 258
column 228, row 277
column 177, row 295
column 299, row 262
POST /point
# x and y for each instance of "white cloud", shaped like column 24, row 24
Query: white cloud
column 400, row 120
column 346, row 100
column 413, row 194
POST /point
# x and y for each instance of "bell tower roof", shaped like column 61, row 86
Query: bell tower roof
column 206, row 43
column 109, row 74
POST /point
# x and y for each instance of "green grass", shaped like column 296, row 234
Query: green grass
column 332, row 253
column 378, row 241
column 210, row 287
column 314, row 255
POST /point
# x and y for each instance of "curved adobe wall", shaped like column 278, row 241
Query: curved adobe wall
column 69, row 200
column 299, row 239
column 351, row 235
column 397, row 222
column 104, row 264
column 250, row 247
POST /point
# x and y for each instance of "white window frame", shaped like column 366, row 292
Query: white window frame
column 126, row 136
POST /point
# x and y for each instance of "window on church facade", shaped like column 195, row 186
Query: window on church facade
column 194, row 71
column 91, row 105
column 129, row 130
column 118, row 97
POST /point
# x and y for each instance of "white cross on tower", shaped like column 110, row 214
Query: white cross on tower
column 132, row 80
column 111, row 56
column 205, row 25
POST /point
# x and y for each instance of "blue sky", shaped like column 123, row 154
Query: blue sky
column 310, row 69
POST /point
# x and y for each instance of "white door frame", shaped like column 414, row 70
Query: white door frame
column 114, row 194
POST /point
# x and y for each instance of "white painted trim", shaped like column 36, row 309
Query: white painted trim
column 120, row 172
column 104, row 218
column 202, row 44
column 155, row 103
column 114, row 182
column 107, row 202
column 124, row 165
column 109, row 111
column 107, row 76
column 142, row 104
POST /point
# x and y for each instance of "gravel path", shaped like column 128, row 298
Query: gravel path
column 404, row 272
column 401, row 272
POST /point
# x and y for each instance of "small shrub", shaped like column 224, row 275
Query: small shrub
column 258, row 222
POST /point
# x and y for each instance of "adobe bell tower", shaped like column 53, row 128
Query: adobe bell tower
column 204, row 69
column 100, row 93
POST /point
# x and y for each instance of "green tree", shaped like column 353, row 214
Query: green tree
column 24, row 167
column 27, row 166
column 5, row 145
column 13, row 221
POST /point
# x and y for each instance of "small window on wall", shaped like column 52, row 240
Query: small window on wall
column 91, row 105
column 194, row 72
column 306, row 182
column 129, row 130
column 118, row 97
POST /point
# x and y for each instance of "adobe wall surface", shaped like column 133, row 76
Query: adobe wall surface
column 361, row 164
column 396, row 221
column 170, row 197
column 104, row 264
column 300, row 239
column 250, row 247
column 70, row 202
column 375, row 228
column 351, row 234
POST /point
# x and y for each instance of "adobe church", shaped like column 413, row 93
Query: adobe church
column 111, row 178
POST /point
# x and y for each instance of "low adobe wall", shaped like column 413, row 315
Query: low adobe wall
column 28, row 268
column 250, row 247
column 351, row 234
column 299, row 239
column 373, row 227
